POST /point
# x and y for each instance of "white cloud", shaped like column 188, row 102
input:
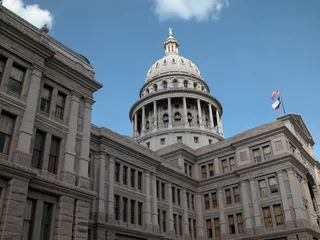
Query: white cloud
column 201, row 10
column 32, row 13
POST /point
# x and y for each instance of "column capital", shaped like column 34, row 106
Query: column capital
column 75, row 93
column 111, row 158
column 279, row 173
column 252, row 181
column 89, row 101
column 36, row 67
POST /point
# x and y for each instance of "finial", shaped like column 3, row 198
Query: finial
column 170, row 31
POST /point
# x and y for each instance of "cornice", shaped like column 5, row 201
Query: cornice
column 10, row 169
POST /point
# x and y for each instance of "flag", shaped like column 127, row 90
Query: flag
column 275, row 94
column 276, row 104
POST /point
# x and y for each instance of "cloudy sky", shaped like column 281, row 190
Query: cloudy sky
column 244, row 49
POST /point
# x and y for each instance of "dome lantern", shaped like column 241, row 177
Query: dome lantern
column 171, row 45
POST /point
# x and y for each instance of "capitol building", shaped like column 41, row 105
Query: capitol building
column 176, row 177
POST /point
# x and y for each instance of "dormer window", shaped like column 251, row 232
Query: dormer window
column 165, row 84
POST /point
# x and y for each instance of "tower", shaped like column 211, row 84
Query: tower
column 175, row 104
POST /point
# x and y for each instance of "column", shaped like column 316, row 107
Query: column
column 201, row 229
column 311, row 212
column 246, row 210
column 297, row 200
column 68, row 174
column 285, row 203
column 133, row 128
column 155, row 116
column 223, row 223
column 211, row 116
column 256, row 208
column 185, row 213
column 135, row 125
column 200, row 113
column 23, row 154
column 216, row 166
column 85, row 145
column 170, row 112
column 170, row 211
column 100, row 186
column 218, row 122
column 110, row 201
column 147, row 213
column 64, row 218
column 154, row 204
column 143, row 120
column 185, row 113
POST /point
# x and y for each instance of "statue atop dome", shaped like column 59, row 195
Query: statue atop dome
column 170, row 31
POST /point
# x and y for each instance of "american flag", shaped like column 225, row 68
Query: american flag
column 275, row 94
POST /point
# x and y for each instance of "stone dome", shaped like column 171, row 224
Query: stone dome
column 172, row 62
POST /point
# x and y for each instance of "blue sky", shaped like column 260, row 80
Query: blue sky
column 243, row 53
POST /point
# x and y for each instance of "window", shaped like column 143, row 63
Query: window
column 46, row 99
column 175, row 222
column 188, row 201
column 165, row 84
column 124, row 209
column 140, row 180
column 173, row 60
column 173, row 195
column 28, row 219
column 186, row 168
column 216, row 222
column 209, row 228
column 162, row 141
column 158, row 189
column 179, row 139
column 117, row 172
column 206, row 201
column 2, row 66
column 278, row 214
column 266, row 153
column 224, row 166
column 180, row 225
column 228, row 196
column 240, row 223
column 214, row 200
column 267, row 217
column 232, row 228
column 132, row 176
column 60, row 105
column 210, row 141
column 54, row 154
column 190, row 230
column 164, row 221
column 204, row 172
column 273, row 185
column 140, row 213
column 236, row 194
column 15, row 80
column 257, row 155
column 178, row 195
column 185, row 83
column 190, row 170
column 163, row 188
column 45, row 221
column 155, row 87
column 177, row 117
column 125, row 175
column 116, row 206
column 192, row 201
column 232, row 163
column 196, row 139
column 6, row 131
column 195, row 85
column 211, row 170
column 159, row 218
column 194, row 229
column 175, row 83
column 38, row 148
column 132, row 210
column 148, row 144
column 262, row 188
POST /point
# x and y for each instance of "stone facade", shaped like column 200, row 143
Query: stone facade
column 62, row 178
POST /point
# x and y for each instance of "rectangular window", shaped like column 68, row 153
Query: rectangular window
column 273, row 185
column 228, row 196
column 28, row 219
column 54, row 154
column 180, row 225
column 257, row 155
column 132, row 211
column 190, row 170
column 232, row 227
column 236, row 194
column 262, row 188
column 266, row 152
column 204, row 172
column 216, row 222
column 188, row 201
column 164, row 221
column 162, row 141
column 60, row 105
column 159, row 217
column 185, row 168
column 132, row 176
column 214, row 200
column 194, row 229
column 125, row 175
column 140, row 207
column 124, row 209
column 190, row 230
column 192, row 201
column 15, row 80
column 116, row 206
column 196, row 139
column 46, row 221
column 158, row 189
column 175, row 222
column 117, row 172
column 140, row 180
column 6, row 130
column 211, row 170
column 179, row 139
column 240, row 223
column 206, row 201
column 224, row 165
column 278, row 214
column 209, row 228
column 232, row 163
column 38, row 148
column 267, row 217
column 173, row 195
column 163, row 190
column 46, row 99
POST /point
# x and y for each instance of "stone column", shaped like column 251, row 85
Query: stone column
column 297, row 200
column 100, row 187
column 133, row 130
column 135, row 125
column 81, row 219
column 147, row 213
column 201, row 229
column 154, row 204
column 200, row 113
column 143, row 120
column 185, row 214
column 256, row 209
column 246, row 210
column 83, row 178
column 155, row 116
column 170, row 113
column 68, row 174
column 285, row 203
column 216, row 166
column 13, row 209
column 211, row 116
column 218, row 122
column 223, row 223
column 170, row 211
column 185, row 113
column 64, row 218
column 110, row 201
column 23, row 154
column 311, row 213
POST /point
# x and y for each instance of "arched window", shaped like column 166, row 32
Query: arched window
column 165, row 61
column 155, row 87
column 165, row 84
column 173, row 60
column 195, row 85
column 175, row 83
column 202, row 88
column 177, row 117
column 147, row 90
column 165, row 118
column 185, row 83
column 189, row 116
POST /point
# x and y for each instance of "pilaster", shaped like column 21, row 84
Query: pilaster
column 223, row 223
column 154, row 204
column 64, row 222
column 311, row 213
column 147, row 212
column 246, row 211
column 201, row 229
column 185, row 113
column 110, row 201
column 256, row 210
column 170, row 211
column 185, row 214
column 170, row 113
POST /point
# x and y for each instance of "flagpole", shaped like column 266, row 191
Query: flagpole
column 284, row 110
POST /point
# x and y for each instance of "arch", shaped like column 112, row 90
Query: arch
column 155, row 87
column 165, row 84
column 175, row 83
column 165, row 118
column 185, row 83
column 177, row 117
